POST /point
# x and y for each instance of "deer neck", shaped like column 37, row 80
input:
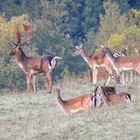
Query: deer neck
column 60, row 102
column 86, row 58
column 20, row 57
column 111, row 59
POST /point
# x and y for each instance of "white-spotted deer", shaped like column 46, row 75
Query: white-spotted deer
column 32, row 65
column 117, row 98
column 94, row 61
column 122, row 63
column 83, row 102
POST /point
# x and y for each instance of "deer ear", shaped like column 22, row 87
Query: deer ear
column 81, row 45
column 99, row 88
column 77, row 47
column 102, row 46
column 15, row 44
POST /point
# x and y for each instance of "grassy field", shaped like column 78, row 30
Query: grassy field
column 38, row 117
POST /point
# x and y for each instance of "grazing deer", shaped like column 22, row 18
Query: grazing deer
column 94, row 61
column 76, row 104
column 122, row 63
column 122, row 97
column 32, row 65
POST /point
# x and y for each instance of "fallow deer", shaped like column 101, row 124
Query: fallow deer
column 94, row 61
column 32, row 65
column 122, row 63
column 103, row 73
column 83, row 102
column 118, row 98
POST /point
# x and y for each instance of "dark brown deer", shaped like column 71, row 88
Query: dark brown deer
column 32, row 65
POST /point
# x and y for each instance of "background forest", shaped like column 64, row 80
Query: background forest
column 59, row 25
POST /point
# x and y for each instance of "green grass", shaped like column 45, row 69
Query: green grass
column 38, row 117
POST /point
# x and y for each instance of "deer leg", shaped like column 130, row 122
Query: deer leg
column 94, row 75
column 122, row 77
column 28, row 77
column 138, row 70
column 90, row 74
column 135, row 75
column 49, row 77
column 127, row 77
column 33, row 82
column 108, row 80
column 96, row 71
column 110, row 73
column 131, row 76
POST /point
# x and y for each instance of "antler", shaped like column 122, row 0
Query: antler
column 28, row 32
column 18, row 36
column 26, row 39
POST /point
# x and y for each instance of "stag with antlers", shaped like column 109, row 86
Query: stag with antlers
column 32, row 65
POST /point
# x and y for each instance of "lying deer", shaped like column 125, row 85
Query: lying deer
column 118, row 98
column 33, row 65
column 83, row 102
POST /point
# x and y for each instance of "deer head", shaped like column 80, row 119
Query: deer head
column 16, row 47
column 79, row 50
column 106, row 49
column 57, row 91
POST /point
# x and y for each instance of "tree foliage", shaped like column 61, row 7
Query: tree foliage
column 59, row 25
column 111, row 23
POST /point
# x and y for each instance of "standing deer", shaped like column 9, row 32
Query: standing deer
column 122, row 63
column 83, row 102
column 122, row 52
column 32, row 65
column 102, row 73
column 94, row 61
column 118, row 98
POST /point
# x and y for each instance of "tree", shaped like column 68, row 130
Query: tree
column 111, row 23
column 123, row 5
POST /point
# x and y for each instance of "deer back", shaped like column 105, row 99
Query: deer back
column 122, row 97
column 83, row 102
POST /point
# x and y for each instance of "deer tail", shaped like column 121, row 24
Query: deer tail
column 53, row 61
column 128, row 97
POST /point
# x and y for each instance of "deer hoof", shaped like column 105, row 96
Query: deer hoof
column 49, row 91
